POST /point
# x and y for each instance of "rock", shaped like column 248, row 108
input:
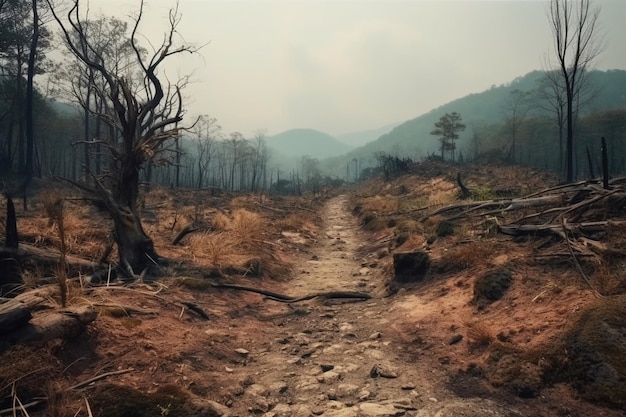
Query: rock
column 364, row 271
column 203, row 407
column 346, row 390
column 280, row 410
column 383, row 370
column 344, row 412
column 259, row 404
column 242, row 351
column 327, row 367
column 279, row 387
column 346, row 327
column 258, row 390
column 376, row 335
column 229, row 370
column 299, row 410
column 329, row 377
column 455, row 339
column 379, row 410
column 410, row 266
column 364, row 395
column 408, row 387
column 307, row 383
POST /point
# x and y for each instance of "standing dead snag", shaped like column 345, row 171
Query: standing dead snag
column 10, row 270
column 142, row 112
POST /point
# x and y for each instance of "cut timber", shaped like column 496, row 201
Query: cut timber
column 64, row 324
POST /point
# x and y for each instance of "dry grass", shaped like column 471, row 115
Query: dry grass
column 479, row 334
column 218, row 248
column 469, row 255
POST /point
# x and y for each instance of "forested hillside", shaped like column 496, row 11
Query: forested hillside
column 490, row 125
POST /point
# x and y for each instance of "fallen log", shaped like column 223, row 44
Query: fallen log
column 576, row 228
column 29, row 254
column 13, row 314
column 64, row 324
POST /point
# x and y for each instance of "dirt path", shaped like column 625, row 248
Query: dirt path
column 341, row 359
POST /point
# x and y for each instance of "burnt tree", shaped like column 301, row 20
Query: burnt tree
column 145, row 113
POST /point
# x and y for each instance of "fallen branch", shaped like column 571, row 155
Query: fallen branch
column 578, row 267
column 187, row 230
column 282, row 298
column 41, row 400
column 99, row 377
column 196, row 309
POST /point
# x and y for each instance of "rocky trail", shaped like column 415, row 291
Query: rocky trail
column 340, row 358
column 409, row 353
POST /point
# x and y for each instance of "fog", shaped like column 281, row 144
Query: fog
column 345, row 66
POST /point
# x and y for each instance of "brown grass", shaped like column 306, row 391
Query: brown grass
column 218, row 248
column 469, row 255
column 479, row 334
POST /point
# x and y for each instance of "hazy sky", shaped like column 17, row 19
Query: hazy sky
column 345, row 66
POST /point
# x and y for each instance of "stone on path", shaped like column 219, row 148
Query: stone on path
column 379, row 410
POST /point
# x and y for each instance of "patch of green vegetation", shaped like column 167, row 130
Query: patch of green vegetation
column 481, row 193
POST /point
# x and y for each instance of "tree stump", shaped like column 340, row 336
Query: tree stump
column 410, row 266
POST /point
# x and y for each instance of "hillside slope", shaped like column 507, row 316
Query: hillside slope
column 301, row 142
column 413, row 137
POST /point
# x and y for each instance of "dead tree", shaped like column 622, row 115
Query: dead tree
column 10, row 270
column 145, row 114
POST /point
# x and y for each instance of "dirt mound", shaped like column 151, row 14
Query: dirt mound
column 592, row 353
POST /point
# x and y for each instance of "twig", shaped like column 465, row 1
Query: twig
column 88, row 407
column 578, row 267
column 196, row 309
column 99, row 377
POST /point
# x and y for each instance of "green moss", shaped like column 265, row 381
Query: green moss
column 481, row 193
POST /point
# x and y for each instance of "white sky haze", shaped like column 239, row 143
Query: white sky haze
column 346, row 66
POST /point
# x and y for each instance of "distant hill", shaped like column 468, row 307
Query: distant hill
column 301, row 142
column 413, row 137
column 356, row 139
